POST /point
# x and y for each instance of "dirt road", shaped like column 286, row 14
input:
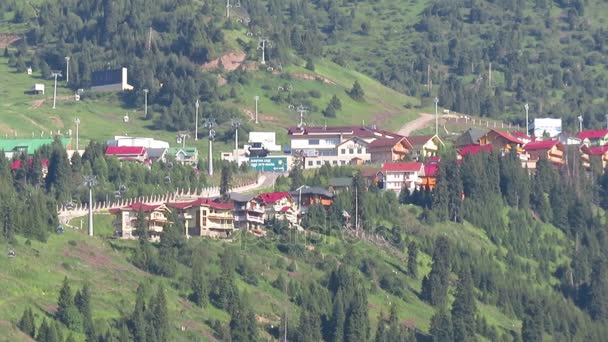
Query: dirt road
column 416, row 124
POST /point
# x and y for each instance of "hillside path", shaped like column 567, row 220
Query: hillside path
column 416, row 124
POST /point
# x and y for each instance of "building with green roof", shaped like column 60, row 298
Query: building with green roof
column 184, row 155
column 12, row 146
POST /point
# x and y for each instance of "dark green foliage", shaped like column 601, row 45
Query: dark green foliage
column 27, row 324
column 199, row 285
column 532, row 325
column 333, row 106
column 412, row 259
column 435, row 284
column 356, row 92
column 160, row 316
column 67, row 312
column 225, row 180
column 464, row 309
column 242, row 322
column 598, row 291
column 310, row 64
column 441, row 327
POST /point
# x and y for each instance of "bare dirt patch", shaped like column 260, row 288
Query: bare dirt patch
column 37, row 103
column 230, row 61
column 309, row 77
column 8, row 39
column 261, row 117
column 56, row 121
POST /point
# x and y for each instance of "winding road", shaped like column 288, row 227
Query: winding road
column 416, row 124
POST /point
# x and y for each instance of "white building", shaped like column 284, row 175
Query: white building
column 137, row 141
column 268, row 140
column 552, row 127
column 395, row 176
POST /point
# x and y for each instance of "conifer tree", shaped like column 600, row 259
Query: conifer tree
column 441, row 327
column 200, row 291
column 412, row 259
column 67, row 313
column 338, row 318
column 356, row 92
column 464, row 309
column 27, row 324
column 598, row 292
column 225, row 180
column 435, row 284
column 242, row 322
column 160, row 316
column 138, row 319
column 357, row 320
column 532, row 323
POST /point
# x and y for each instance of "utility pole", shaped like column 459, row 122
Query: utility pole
column 490, row 75
column 263, row 48
column 196, row 105
column 90, row 182
column 228, row 5
column 606, row 121
column 436, row 117
column 302, row 110
column 257, row 98
column 67, row 70
column 210, row 123
column 146, row 102
column 77, row 121
column 580, row 123
column 527, row 108
column 55, row 74
column 236, row 123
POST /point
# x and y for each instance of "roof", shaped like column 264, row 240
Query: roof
column 16, row 165
column 271, row 197
column 285, row 209
column 358, row 131
column 202, row 202
column 402, row 167
column 341, row 182
column 507, row 136
column 30, row 144
column 235, row 196
column 595, row 150
column 122, row 150
column 104, row 77
column 474, row 149
column 388, row 142
column 156, row 152
column 541, row 145
column 430, row 169
column 592, row 134
column 188, row 151
column 522, row 135
column 418, row 140
column 313, row 191
column 370, row 172
column 471, row 136
column 139, row 206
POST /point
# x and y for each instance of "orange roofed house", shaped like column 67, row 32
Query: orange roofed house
column 395, row 176
column 389, row 149
column 155, row 219
column 551, row 150
column 205, row 217
column 501, row 140
column 429, row 179
column 599, row 152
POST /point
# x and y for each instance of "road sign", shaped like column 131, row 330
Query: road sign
column 269, row 164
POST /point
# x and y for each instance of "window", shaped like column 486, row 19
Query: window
column 335, row 162
column 310, row 163
column 351, row 151
column 342, row 162
column 318, row 162
column 313, row 141
column 343, row 151
column 359, row 150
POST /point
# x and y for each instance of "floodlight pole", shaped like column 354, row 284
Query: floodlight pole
column 55, row 74
column 580, row 123
column 196, row 105
column 210, row 123
column 228, row 5
column 263, row 48
column 67, row 69
column 436, row 117
column 77, row 121
column 527, row 108
column 257, row 98
column 606, row 121
column 236, row 123
column 302, row 110
column 90, row 182
column 146, row 103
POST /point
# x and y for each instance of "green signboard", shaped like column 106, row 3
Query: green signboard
column 269, row 164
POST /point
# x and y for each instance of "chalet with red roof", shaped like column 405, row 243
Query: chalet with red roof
column 44, row 163
column 472, row 150
column 128, row 153
column 597, row 137
column 424, row 146
column 249, row 213
column 395, row 176
column 128, row 219
column 388, row 149
column 429, row 179
column 280, row 206
column 551, row 150
column 503, row 141
column 599, row 153
column 206, row 217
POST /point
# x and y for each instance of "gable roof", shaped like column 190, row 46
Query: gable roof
column 430, row 169
column 507, row 136
column 595, row 150
column 541, row 145
column 313, row 191
column 471, row 136
column 370, row 172
column 202, row 202
column 32, row 145
column 388, row 142
column 237, row 197
column 139, row 206
column 355, row 139
column 419, row 140
column 402, row 167
column 188, row 151
column 474, row 149
column 16, row 165
column 123, row 150
column 592, row 134
column 271, row 197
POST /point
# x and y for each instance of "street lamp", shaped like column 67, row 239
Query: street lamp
column 55, row 74
column 236, row 123
column 527, row 108
column 580, row 123
column 90, row 182
column 196, row 105
column 210, row 123
column 146, row 102
column 77, row 122
column 67, row 70
column 257, row 98
column 436, row 117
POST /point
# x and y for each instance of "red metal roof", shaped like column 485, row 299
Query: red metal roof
column 16, row 165
column 508, row 136
column 419, row 139
column 271, row 197
column 595, row 150
column 402, row 167
column 593, row 134
column 388, row 142
column 430, row 169
column 540, row 145
column 474, row 149
column 202, row 202
column 125, row 150
column 138, row 206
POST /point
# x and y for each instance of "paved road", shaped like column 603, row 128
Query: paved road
column 416, row 124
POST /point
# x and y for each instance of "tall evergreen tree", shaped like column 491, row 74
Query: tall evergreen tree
column 441, row 327
column 435, row 284
column 242, row 322
column 225, row 180
column 138, row 319
column 200, row 291
column 412, row 259
column 598, row 293
column 357, row 320
column 27, row 324
column 160, row 316
column 464, row 309
column 532, row 323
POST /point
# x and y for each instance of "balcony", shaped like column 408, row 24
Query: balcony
column 249, row 218
column 257, row 209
